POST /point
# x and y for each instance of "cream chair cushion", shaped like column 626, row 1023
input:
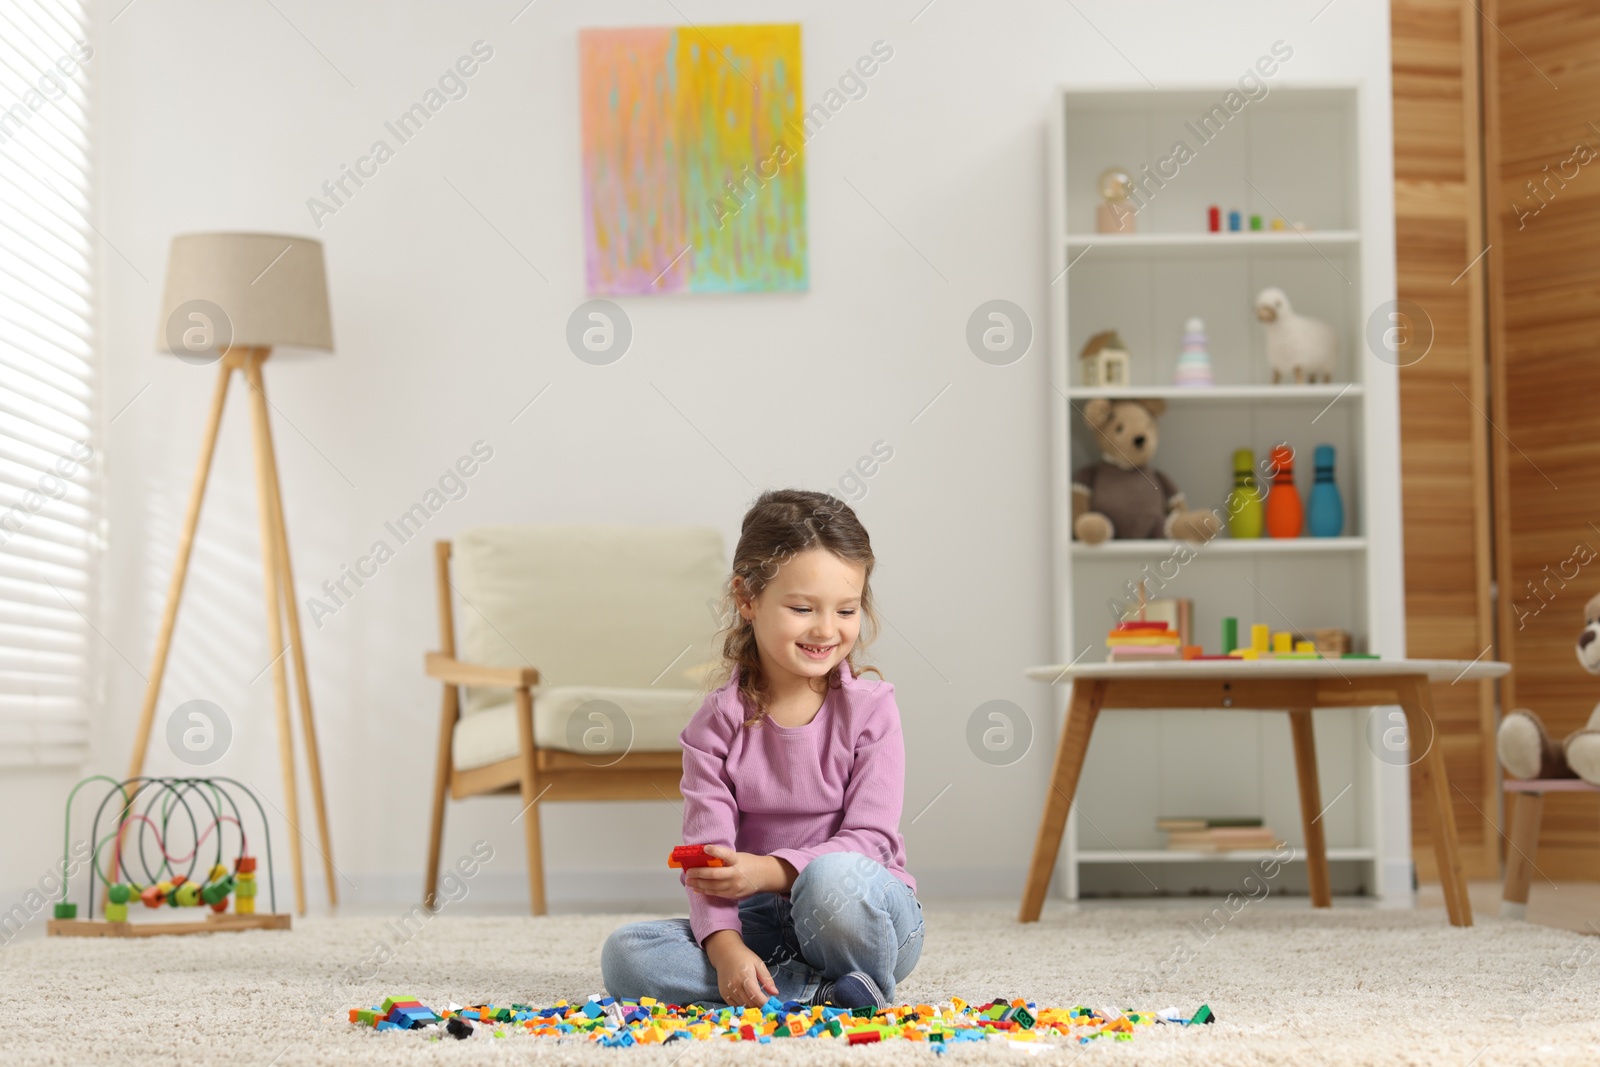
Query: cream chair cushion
column 601, row 724
column 614, row 618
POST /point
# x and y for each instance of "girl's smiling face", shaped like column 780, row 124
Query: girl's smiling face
column 808, row 617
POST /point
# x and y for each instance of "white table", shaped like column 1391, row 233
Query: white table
column 1292, row 686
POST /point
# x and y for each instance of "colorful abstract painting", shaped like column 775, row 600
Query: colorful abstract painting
column 693, row 166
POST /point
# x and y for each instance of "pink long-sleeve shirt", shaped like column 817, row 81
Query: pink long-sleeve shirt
column 835, row 784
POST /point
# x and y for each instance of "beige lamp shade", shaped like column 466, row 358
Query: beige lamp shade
column 245, row 290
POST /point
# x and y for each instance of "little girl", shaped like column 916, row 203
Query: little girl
column 793, row 776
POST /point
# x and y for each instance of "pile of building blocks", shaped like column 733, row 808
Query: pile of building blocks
column 1264, row 644
column 397, row 1013
column 614, row 1023
column 1140, row 641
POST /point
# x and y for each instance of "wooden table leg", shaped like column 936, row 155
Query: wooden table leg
column 1525, row 816
column 1087, row 697
column 1305, row 765
column 1417, row 702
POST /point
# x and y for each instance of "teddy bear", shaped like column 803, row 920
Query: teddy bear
column 1122, row 495
column 1526, row 750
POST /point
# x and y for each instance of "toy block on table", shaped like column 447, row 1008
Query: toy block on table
column 687, row 856
column 1331, row 642
column 1142, row 640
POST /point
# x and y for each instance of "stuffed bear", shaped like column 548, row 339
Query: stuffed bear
column 1122, row 495
column 1527, row 751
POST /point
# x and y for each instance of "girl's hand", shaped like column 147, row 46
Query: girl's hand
column 742, row 978
column 743, row 874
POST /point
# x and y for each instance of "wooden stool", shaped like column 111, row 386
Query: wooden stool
column 1525, row 816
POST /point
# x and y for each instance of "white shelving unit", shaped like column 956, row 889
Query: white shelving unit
column 1223, row 547
column 1242, row 242
column 1299, row 153
column 1162, row 855
column 1222, row 393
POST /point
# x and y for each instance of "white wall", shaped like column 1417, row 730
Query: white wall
column 227, row 117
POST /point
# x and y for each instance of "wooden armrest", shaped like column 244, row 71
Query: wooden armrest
column 446, row 669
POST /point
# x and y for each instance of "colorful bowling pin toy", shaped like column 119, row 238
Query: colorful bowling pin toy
column 1325, row 517
column 1285, row 515
column 1244, row 502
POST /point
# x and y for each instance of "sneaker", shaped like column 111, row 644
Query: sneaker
column 854, row 990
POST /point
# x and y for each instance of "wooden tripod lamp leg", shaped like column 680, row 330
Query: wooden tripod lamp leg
column 180, row 572
column 449, row 712
column 291, row 611
column 271, row 583
column 180, row 569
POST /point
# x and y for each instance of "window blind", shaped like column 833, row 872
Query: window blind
column 49, row 485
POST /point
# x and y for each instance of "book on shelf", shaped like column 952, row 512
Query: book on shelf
column 1206, row 822
column 1222, row 839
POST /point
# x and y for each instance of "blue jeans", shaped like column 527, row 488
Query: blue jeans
column 844, row 913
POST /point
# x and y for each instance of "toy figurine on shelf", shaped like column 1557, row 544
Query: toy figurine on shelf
column 1284, row 513
column 1105, row 361
column 1325, row 513
column 1124, row 495
column 1298, row 346
column 1245, row 501
column 1194, row 361
column 1113, row 215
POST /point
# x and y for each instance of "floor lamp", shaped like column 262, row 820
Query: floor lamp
column 230, row 299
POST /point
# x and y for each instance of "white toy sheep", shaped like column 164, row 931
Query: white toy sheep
column 1298, row 346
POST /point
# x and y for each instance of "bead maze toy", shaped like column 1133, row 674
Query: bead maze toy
column 142, row 812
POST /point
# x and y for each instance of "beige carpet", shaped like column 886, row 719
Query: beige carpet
column 1354, row 986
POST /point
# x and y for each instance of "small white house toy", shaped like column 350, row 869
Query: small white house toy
column 1298, row 347
column 1105, row 361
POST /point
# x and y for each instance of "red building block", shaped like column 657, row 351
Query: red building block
column 692, row 856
